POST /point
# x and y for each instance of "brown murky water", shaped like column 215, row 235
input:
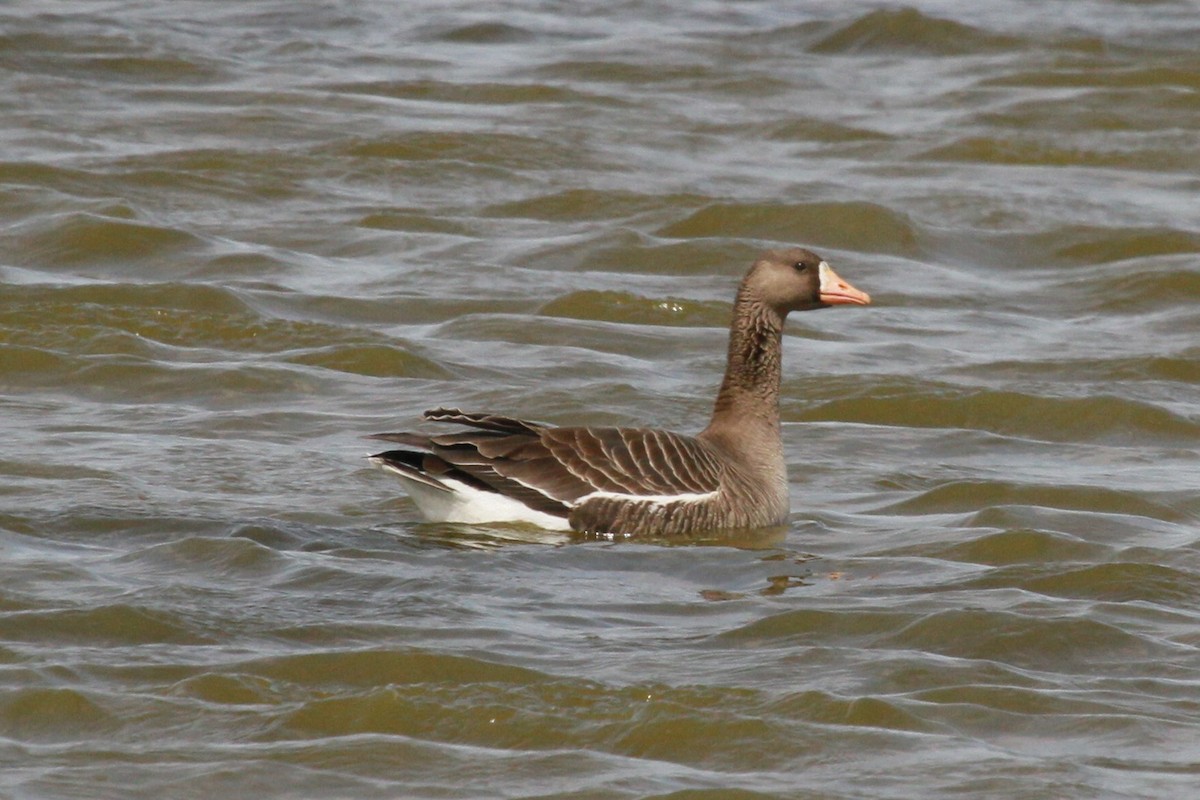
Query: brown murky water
column 236, row 236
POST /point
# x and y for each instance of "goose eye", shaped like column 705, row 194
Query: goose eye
column 801, row 266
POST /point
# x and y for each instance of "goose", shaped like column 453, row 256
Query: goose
column 634, row 481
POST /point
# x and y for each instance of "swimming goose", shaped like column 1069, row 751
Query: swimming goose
column 635, row 481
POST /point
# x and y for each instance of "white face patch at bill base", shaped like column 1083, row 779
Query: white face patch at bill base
column 835, row 291
column 826, row 274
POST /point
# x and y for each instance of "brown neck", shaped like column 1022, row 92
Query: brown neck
column 749, row 396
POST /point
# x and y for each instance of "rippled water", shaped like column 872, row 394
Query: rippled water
column 236, row 236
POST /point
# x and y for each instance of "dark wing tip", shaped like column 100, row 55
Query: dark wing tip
column 410, row 439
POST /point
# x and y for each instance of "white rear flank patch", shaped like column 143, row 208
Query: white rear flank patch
column 459, row 502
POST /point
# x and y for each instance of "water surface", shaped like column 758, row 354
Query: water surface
column 236, row 237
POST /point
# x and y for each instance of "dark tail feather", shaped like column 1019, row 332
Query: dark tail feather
column 409, row 464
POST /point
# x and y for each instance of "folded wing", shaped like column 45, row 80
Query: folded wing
column 556, row 469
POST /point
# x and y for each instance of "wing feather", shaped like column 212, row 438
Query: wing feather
column 636, row 461
column 554, row 469
column 487, row 422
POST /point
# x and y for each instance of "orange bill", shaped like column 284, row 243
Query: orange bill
column 835, row 291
